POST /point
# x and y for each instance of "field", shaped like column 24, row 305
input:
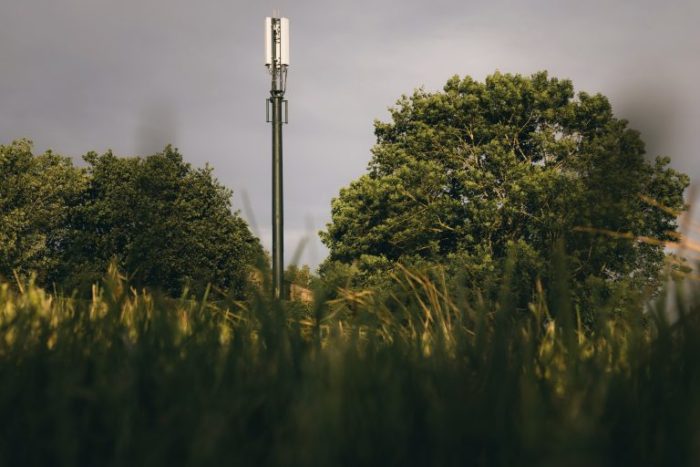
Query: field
column 415, row 376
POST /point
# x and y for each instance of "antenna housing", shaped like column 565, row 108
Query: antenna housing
column 277, row 50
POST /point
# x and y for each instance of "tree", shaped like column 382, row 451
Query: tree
column 36, row 193
column 299, row 276
column 167, row 225
column 515, row 164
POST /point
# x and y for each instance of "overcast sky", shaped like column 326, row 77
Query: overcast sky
column 134, row 75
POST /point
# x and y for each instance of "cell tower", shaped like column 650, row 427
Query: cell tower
column 277, row 62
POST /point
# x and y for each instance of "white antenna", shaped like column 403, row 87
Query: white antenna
column 268, row 41
column 284, row 41
column 276, row 41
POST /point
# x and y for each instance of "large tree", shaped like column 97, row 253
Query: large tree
column 515, row 163
column 168, row 226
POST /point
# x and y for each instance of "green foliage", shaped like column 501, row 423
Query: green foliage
column 36, row 193
column 463, row 176
column 408, row 375
column 168, row 225
column 301, row 276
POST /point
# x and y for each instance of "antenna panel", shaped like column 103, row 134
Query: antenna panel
column 268, row 41
column 284, row 42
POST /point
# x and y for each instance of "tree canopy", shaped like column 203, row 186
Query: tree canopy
column 519, row 163
column 36, row 193
column 167, row 225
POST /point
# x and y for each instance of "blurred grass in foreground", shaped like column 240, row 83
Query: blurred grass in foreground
column 409, row 376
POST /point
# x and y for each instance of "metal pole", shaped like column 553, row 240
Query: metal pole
column 277, row 200
column 277, row 96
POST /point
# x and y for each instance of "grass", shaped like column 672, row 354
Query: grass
column 409, row 376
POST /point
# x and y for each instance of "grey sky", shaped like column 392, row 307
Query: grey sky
column 133, row 75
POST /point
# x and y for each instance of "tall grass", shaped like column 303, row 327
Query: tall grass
column 412, row 375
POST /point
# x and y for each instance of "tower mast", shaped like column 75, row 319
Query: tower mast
column 277, row 62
